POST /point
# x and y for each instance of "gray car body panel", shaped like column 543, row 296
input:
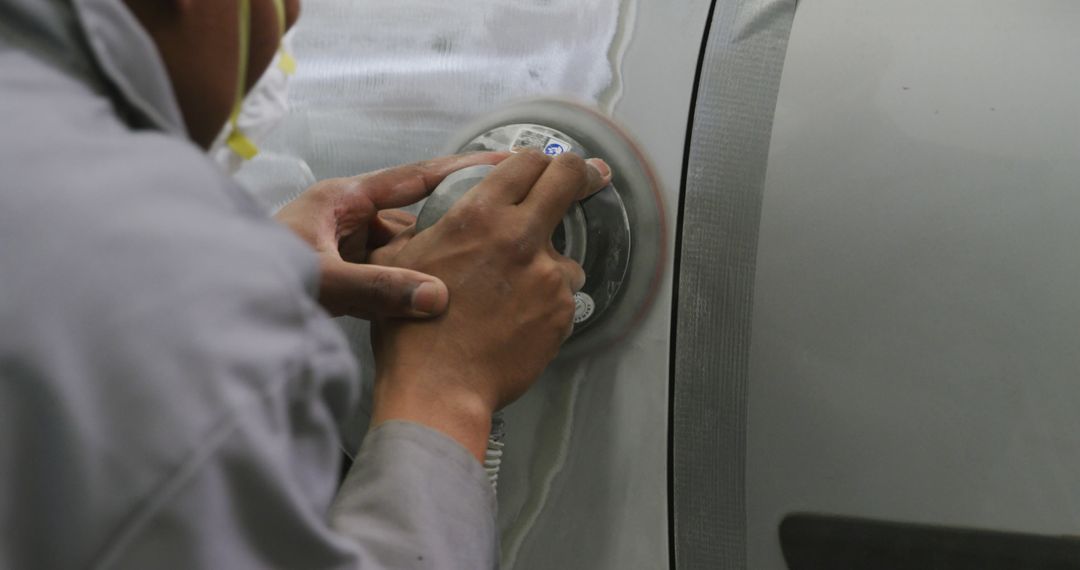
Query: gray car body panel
column 916, row 314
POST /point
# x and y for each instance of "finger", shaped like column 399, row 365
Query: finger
column 512, row 179
column 386, row 254
column 574, row 277
column 569, row 330
column 572, row 272
column 397, row 218
column 596, row 184
column 388, row 224
column 567, row 180
column 381, row 230
column 405, row 185
column 370, row 291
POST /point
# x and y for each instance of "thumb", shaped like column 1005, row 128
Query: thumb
column 371, row 291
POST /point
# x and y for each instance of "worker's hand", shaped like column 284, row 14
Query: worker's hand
column 344, row 219
column 511, row 298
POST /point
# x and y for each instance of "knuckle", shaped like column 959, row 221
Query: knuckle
column 572, row 163
column 327, row 190
column 552, row 277
column 578, row 273
column 474, row 214
column 419, row 177
column 566, row 303
column 534, row 156
column 381, row 288
column 565, row 308
column 516, row 246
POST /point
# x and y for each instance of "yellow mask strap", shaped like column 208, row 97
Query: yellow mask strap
column 237, row 141
column 286, row 63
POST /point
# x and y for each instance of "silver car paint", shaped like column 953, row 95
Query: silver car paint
column 917, row 315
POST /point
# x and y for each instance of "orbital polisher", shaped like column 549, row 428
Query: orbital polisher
column 617, row 234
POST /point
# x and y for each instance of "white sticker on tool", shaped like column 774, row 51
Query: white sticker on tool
column 536, row 140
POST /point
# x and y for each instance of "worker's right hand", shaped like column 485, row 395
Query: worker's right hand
column 511, row 298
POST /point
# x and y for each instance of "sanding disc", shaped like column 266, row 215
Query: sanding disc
column 623, row 267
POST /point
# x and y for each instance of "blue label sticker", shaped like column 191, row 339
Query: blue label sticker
column 554, row 148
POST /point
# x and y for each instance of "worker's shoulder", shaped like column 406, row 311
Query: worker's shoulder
column 61, row 131
column 58, row 149
column 73, row 170
column 146, row 308
column 152, row 207
column 131, row 245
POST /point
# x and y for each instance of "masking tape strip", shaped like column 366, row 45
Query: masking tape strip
column 721, row 213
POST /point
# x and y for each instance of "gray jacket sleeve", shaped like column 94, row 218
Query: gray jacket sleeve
column 413, row 499
column 416, row 499
column 170, row 392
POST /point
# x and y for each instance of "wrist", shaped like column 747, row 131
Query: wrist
column 456, row 412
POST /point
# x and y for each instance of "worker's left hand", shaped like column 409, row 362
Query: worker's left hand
column 345, row 219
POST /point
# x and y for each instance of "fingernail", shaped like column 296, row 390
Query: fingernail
column 427, row 299
column 600, row 166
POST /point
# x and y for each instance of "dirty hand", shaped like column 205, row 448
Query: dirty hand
column 344, row 219
column 511, row 299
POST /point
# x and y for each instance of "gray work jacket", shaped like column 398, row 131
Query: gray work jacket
column 170, row 392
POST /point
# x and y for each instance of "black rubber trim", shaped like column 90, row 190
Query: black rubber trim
column 823, row 542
